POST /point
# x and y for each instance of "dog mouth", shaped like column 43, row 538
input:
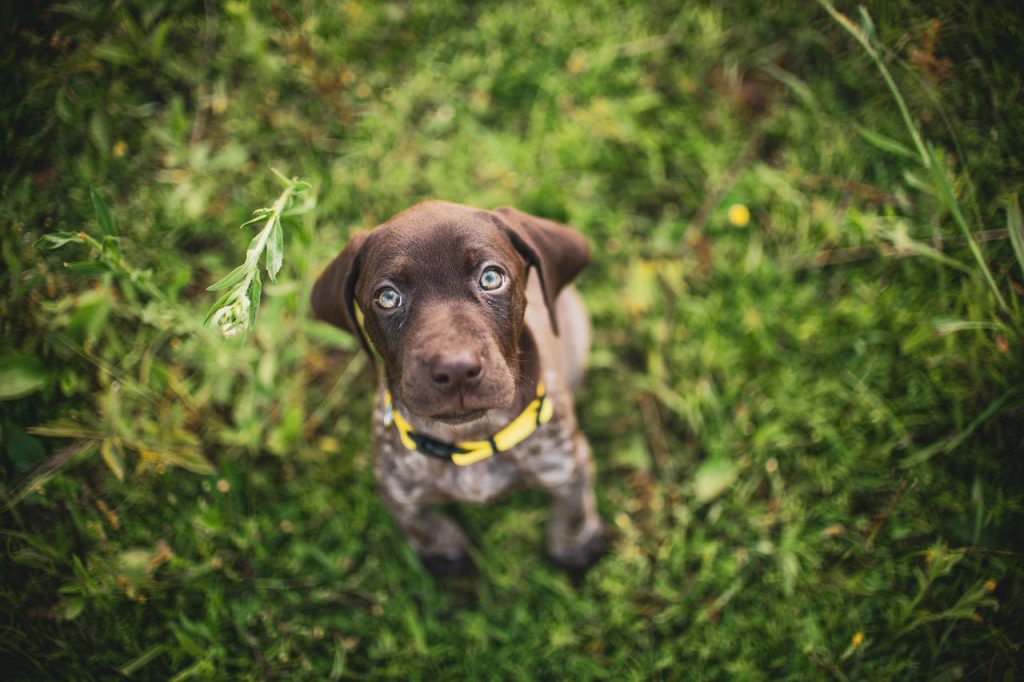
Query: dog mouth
column 458, row 409
column 460, row 417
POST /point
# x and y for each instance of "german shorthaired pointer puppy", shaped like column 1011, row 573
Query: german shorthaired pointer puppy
column 483, row 343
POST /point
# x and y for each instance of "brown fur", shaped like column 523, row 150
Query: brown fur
column 461, row 362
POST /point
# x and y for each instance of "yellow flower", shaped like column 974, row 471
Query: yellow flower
column 739, row 215
column 990, row 585
column 577, row 63
column 120, row 149
column 858, row 639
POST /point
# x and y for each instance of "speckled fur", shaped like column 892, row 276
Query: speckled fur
column 555, row 458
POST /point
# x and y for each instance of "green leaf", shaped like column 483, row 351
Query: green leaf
column 886, row 144
column 1015, row 226
column 114, row 457
column 953, row 206
column 158, row 37
column 21, row 374
column 87, row 268
column 134, row 563
column 900, row 239
column 115, row 54
column 258, row 219
column 217, row 306
column 253, row 250
column 712, row 479
column 99, row 132
column 188, row 458
column 867, row 24
column 55, row 240
column 142, row 660
column 952, row 326
column 102, row 213
column 255, row 292
column 89, row 319
column 64, row 428
column 111, row 245
column 236, row 276
column 281, row 177
column 954, row 441
column 275, row 251
column 70, row 609
column 24, row 451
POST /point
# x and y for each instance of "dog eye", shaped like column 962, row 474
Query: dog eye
column 388, row 298
column 491, row 279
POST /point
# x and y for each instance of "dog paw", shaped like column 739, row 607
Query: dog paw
column 458, row 565
column 577, row 558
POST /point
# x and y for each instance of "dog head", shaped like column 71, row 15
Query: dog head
column 442, row 292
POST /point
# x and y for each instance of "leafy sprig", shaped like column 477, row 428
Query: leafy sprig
column 235, row 311
column 106, row 253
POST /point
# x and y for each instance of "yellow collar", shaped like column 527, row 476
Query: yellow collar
column 538, row 412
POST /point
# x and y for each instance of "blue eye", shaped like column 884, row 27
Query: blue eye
column 388, row 298
column 491, row 279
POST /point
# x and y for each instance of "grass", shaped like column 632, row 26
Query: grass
column 807, row 424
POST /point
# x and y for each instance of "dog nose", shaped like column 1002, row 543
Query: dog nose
column 453, row 369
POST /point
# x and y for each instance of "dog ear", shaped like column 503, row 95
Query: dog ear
column 333, row 298
column 557, row 251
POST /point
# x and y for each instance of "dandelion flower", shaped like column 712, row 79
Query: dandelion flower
column 739, row 215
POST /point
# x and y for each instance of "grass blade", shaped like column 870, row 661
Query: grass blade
column 103, row 217
column 948, row 444
column 953, row 206
column 886, row 144
column 148, row 655
column 1015, row 226
column 949, row 326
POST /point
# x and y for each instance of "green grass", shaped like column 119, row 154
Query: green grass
column 807, row 429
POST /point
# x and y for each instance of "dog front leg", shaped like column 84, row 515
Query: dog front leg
column 441, row 545
column 576, row 537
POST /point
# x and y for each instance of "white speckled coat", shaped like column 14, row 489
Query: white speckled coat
column 556, row 457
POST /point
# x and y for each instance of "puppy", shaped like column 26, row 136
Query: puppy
column 483, row 342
